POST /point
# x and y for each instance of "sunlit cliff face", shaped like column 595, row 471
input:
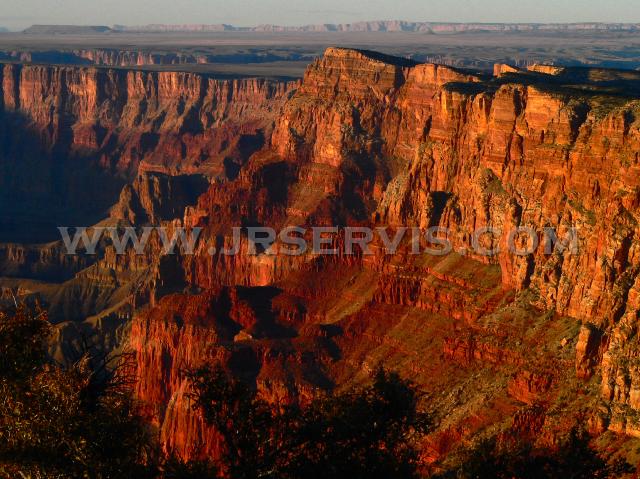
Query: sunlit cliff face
column 521, row 344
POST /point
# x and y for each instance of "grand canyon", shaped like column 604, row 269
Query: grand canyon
column 499, row 346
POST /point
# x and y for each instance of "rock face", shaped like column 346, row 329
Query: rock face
column 139, row 112
column 113, row 57
column 156, row 197
column 515, row 155
column 373, row 140
column 534, row 341
column 72, row 137
column 242, row 328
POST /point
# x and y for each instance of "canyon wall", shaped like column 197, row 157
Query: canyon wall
column 138, row 58
column 525, row 150
column 374, row 140
column 70, row 137
column 140, row 113
column 516, row 152
column 501, row 343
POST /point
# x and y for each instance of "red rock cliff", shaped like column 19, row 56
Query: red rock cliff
column 369, row 139
column 72, row 136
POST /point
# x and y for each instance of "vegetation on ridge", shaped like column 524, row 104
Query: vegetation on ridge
column 81, row 421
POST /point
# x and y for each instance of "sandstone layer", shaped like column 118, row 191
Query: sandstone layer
column 504, row 344
column 374, row 140
column 72, row 137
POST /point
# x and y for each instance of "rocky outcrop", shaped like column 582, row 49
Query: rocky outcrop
column 383, row 141
column 241, row 329
column 372, row 140
column 71, row 137
column 112, row 57
column 140, row 113
column 507, row 154
column 43, row 262
column 155, row 197
column 369, row 139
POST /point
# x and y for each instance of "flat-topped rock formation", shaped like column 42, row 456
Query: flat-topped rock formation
column 66, row 29
column 392, row 26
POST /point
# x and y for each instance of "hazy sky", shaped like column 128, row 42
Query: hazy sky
column 21, row 13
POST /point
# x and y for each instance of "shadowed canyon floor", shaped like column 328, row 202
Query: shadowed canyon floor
column 507, row 345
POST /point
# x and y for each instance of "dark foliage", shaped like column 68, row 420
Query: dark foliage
column 63, row 422
column 367, row 432
column 79, row 421
column 572, row 459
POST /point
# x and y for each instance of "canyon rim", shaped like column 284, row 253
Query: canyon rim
column 529, row 345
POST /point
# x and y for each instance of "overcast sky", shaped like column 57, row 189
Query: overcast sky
column 18, row 14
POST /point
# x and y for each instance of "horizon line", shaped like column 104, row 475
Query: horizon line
column 116, row 26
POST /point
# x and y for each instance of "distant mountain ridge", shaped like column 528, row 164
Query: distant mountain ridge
column 66, row 29
column 368, row 26
column 390, row 26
